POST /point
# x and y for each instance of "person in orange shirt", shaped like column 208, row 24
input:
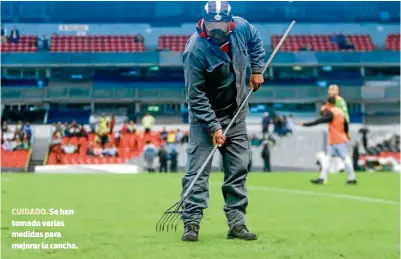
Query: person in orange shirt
column 334, row 91
column 338, row 140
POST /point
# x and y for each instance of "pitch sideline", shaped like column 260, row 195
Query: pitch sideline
column 328, row 194
column 313, row 193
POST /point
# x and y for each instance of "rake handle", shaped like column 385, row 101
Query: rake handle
column 198, row 174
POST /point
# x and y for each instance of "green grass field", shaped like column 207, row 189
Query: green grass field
column 115, row 217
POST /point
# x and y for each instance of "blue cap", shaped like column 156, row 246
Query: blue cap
column 217, row 11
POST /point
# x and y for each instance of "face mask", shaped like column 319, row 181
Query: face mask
column 219, row 31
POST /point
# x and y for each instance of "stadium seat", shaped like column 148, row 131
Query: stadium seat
column 27, row 43
column 14, row 159
column 95, row 43
column 173, row 42
column 393, row 42
column 322, row 42
column 127, row 150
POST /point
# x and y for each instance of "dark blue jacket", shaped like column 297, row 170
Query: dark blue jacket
column 207, row 69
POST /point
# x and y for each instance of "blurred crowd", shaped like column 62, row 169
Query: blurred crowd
column 107, row 140
column 99, row 146
column 16, row 138
column 282, row 125
column 13, row 37
column 61, row 130
column 167, row 153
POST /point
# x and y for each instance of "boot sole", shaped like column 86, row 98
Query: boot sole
column 245, row 239
column 189, row 239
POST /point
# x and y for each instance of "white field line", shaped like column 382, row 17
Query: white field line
column 326, row 194
column 313, row 193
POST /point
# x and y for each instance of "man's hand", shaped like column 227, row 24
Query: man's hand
column 218, row 138
column 301, row 123
column 255, row 81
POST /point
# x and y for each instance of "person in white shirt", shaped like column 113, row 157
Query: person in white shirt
column 8, row 145
column 92, row 122
column 179, row 136
column 69, row 148
column 110, row 151
column 150, row 152
column 8, row 135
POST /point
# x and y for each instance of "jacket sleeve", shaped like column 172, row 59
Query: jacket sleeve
column 256, row 50
column 198, row 102
column 326, row 117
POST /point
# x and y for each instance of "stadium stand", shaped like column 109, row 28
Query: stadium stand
column 96, row 43
column 16, row 146
column 322, row 42
column 73, row 76
column 129, row 147
column 173, row 42
column 393, row 42
column 293, row 43
column 14, row 159
column 26, row 43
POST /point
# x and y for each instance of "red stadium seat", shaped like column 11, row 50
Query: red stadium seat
column 322, row 42
column 14, row 159
column 393, row 42
column 173, row 42
column 131, row 145
column 96, row 43
column 27, row 43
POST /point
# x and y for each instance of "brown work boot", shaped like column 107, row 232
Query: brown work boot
column 241, row 232
column 191, row 232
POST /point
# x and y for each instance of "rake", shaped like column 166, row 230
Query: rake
column 171, row 216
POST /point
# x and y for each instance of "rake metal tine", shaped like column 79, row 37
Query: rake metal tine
column 165, row 221
column 158, row 225
column 173, row 220
column 176, row 216
column 177, row 220
column 163, row 218
column 168, row 219
column 158, row 222
column 169, row 222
